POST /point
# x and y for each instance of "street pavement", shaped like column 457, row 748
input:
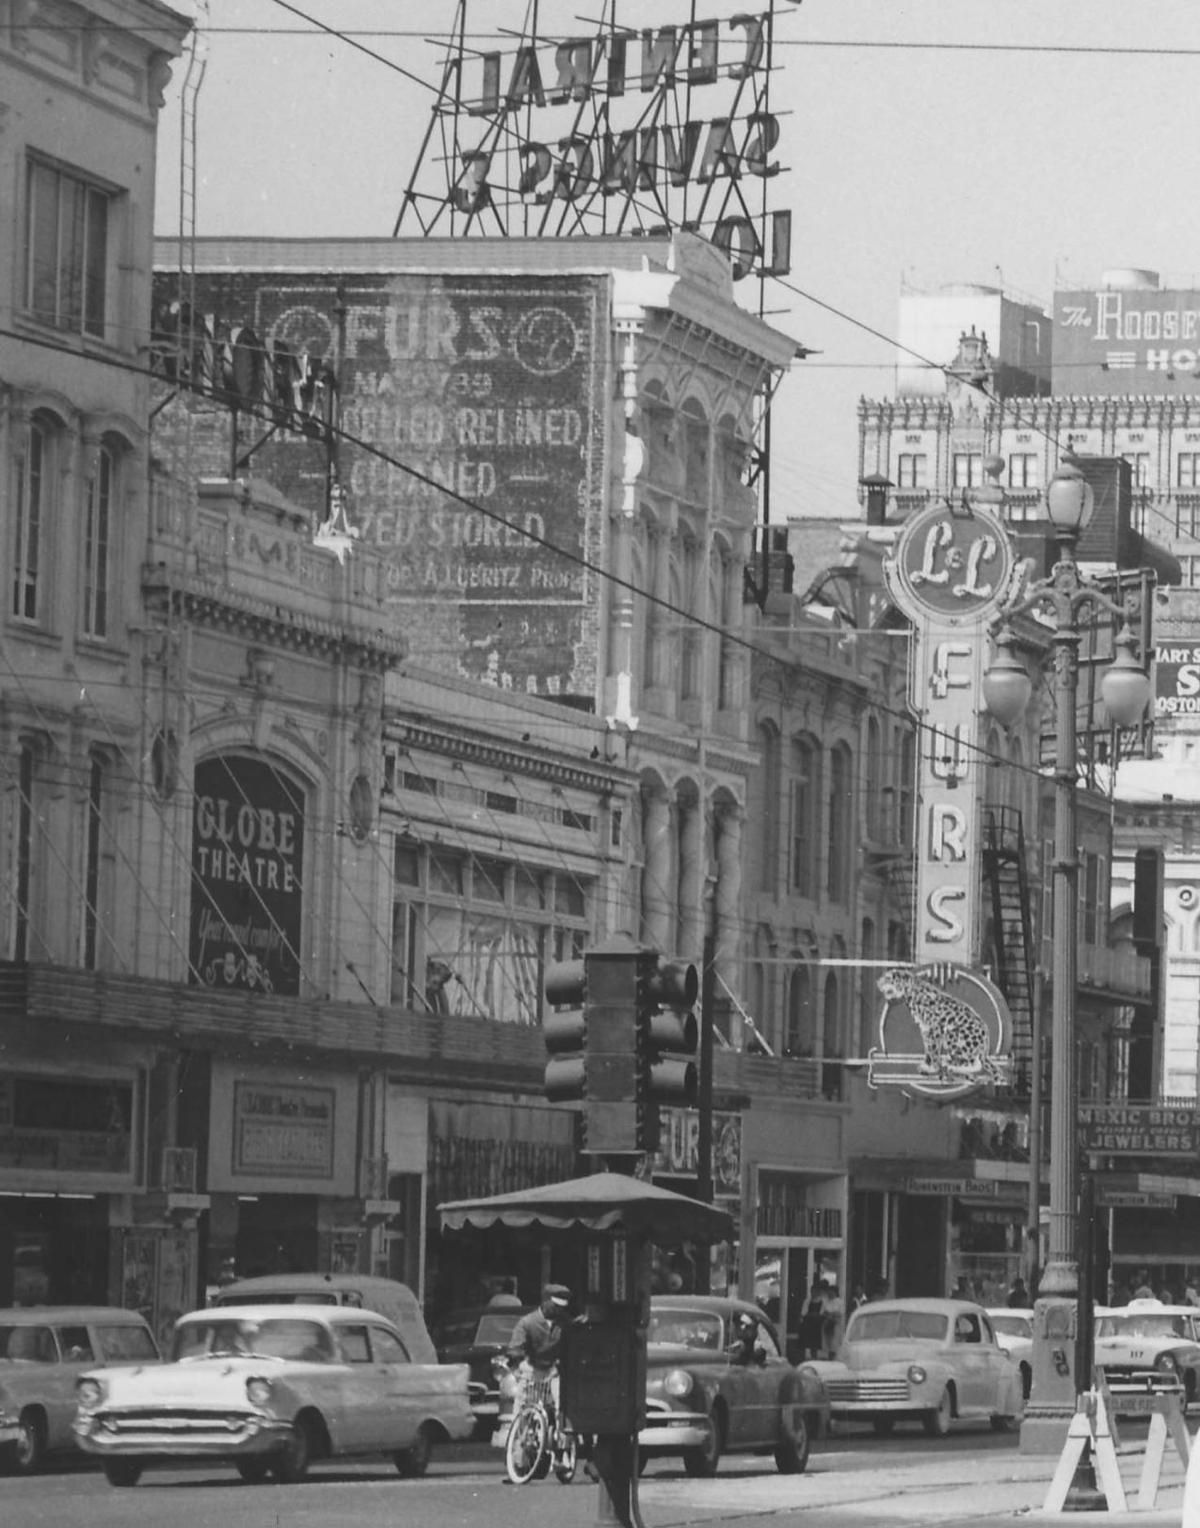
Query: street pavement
column 854, row 1480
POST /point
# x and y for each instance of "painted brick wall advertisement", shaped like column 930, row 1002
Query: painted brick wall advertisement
column 473, row 412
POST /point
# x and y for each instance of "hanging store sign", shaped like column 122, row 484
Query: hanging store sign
column 247, row 876
column 950, row 574
column 678, row 1155
column 945, row 1031
column 1177, row 681
column 1139, row 1130
column 954, row 1188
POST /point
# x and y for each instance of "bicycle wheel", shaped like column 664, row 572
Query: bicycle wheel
column 566, row 1456
column 528, row 1439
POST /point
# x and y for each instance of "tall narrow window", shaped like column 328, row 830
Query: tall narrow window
column 31, row 464
column 839, row 817
column 873, row 797
column 805, row 796
column 768, row 740
column 66, row 250
column 800, row 1037
column 93, row 850
column 831, row 1039
column 96, row 527
column 24, row 855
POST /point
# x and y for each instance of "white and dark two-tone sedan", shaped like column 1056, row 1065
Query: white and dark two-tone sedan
column 269, row 1389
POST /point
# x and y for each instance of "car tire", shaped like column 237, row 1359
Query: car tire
column 883, row 1427
column 253, row 1471
column 122, row 1472
column 792, row 1450
column 1001, row 1423
column 1026, row 1381
column 704, row 1461
column 413, row 1461
column 291, row 1464
column 28, row 1453
column 937, row 1422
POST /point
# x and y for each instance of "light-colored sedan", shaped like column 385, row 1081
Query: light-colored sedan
column 931, row 1361
column 1014, row 1332
column 271, row 1389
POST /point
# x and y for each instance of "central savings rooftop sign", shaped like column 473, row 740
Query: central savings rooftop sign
column 535, row 149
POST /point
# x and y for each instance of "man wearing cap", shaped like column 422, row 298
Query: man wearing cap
column 537, row 1337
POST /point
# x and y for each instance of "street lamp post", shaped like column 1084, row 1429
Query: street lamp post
column 1125, row 689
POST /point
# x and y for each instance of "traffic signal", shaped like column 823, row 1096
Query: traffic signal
column 666, row 1038
column 628, row 1046
column 566, row 1033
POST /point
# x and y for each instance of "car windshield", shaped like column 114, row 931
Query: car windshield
column 1142, row 1324
column 497, row 1327
column 1013, row 1326
column 685, row 1328
column 897, row 1325
column 126, row 1344
column 228, row 1337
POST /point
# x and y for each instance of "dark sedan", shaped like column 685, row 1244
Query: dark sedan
column 706, row 1396
column 475, row 1336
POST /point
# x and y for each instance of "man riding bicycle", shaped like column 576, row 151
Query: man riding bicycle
column 537, row 1338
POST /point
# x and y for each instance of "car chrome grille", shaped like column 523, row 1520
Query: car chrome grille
column 173, row 1423
column 866, row 1390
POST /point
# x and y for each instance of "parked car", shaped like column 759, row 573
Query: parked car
column 702, row 1402
column 1014, row 1332
column 43, row 1351
column 1148, row 1348
column 359, row 1291
column 270, row 1391
column 477, row 1336
column 924, row 1360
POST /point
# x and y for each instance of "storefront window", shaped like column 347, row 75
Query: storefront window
column 472, row 934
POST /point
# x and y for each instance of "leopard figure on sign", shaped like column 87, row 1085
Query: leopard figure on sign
column 955, row 1037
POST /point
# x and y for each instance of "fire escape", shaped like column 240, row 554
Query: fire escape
column 1012, row 932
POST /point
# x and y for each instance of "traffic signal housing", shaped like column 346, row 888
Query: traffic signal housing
column 565, row 1034
column 667, row 1036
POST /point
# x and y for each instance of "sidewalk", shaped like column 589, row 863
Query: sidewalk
column 961, row 1488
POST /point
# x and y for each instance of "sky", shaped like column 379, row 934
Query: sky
column 1017, row 144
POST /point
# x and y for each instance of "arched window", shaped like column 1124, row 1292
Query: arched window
column 831, row 1037
column 98, row 848
column 99, row 520
column 804, row 787
column 906, row 783
column 840, row 817
column 648, row 628
column 33, row 507
column 685, row 601
column 868, row 994
column 801, row 1030
column 873, row 797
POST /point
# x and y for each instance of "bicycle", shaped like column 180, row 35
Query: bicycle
column 540, row 1438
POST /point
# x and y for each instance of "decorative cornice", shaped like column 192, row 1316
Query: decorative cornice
column 218, row 607
column 473, row 748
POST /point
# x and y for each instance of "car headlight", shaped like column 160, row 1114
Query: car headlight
column 258, row 1390
column 678, row 1383
column 1166, row 1363
column 916, row 1375
column 89, row 1393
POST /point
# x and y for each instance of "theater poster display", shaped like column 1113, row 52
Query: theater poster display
column 247, row 876
column 472, row 412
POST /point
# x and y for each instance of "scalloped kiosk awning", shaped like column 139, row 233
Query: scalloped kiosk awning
column 601, row 1202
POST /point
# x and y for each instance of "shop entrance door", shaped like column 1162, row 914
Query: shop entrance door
column 785, row 1271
